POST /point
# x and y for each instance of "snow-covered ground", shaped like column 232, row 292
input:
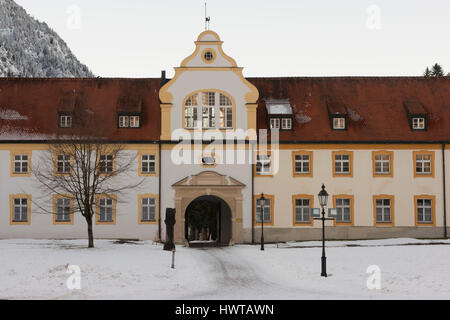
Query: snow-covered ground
column 411, row 269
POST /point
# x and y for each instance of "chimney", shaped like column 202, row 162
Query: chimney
column 163, row 77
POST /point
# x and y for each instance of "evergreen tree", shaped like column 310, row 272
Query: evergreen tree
column 427, row 72
column 437, row 70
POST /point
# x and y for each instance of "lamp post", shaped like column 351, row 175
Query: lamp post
column 262, row 202
column 323, row 200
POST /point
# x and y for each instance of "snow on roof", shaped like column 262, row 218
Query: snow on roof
column 8, row 114
column 278, row 106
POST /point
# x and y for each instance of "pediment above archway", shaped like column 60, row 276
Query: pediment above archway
column 208, row 178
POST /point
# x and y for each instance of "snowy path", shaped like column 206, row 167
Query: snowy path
column 411, row 269
column 240, row 278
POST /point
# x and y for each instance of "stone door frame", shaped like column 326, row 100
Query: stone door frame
column 209, row 183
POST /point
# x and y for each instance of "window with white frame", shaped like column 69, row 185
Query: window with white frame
column 382, row 164
column 263, row 164
column 63, row 163
column 214, row 112
column 383, row 210
column 63, row 208
column 21, row 163
column 106, row 210
column 343, row 210
column 134, row 121
column 424, row 211
column 20, row 210
column 418, row 123
column 267, row 210
column 123, row 121
column 286, row 123
column 423, row 164
column 148, row 163
column 208, row 110
column 106, row 163
column 274, row 123
column 226, row 112
column 302, row 164
column 339, row 123
column 65, row 121
column 148, row 207
column 302, row 210
column 342, row 163
column 129, row 121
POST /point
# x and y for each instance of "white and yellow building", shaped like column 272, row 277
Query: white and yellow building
column 380, row 145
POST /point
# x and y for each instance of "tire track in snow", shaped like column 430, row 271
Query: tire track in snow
column 236, row 278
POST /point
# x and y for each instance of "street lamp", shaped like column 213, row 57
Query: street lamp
column 262, row 202
column 323, row 200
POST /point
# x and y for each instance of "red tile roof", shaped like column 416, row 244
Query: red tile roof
column 375, row 107
column 38, row 101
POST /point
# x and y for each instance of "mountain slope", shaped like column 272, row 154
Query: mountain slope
column 29, row 48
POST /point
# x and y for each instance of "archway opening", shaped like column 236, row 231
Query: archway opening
column 208, row 221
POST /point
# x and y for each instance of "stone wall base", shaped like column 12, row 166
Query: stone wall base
column 272, row 235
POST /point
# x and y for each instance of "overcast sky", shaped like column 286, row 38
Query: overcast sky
column 139, row 38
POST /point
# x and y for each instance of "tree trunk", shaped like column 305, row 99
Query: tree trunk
column 90, row 232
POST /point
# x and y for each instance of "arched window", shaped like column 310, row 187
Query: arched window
column 215, row 110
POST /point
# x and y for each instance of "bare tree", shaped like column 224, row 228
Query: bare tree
column 83, row 167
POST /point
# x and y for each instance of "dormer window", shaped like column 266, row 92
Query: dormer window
column 337, row 114
column 65, row 120
column 129, row 121
column 339, row 123
column 417, row 115
column 418, row 123
column 274, row 123
column 286, row 123
column 279, row 112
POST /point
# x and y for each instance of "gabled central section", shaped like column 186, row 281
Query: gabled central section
column 208, row 92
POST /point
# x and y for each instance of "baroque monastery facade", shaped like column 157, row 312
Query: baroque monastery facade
column 379, row 144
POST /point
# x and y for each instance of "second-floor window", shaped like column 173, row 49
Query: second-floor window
column 423, row 164
column 148, row 163
column 263, row 164
column 302, row 164
column 21, row 163
column 106, row 163
column 342, row 164
column 382, row 164
column 213, row 109
column 63, row 164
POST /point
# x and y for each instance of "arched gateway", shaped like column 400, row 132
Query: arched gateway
column 208, row 221
column 218, row 189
